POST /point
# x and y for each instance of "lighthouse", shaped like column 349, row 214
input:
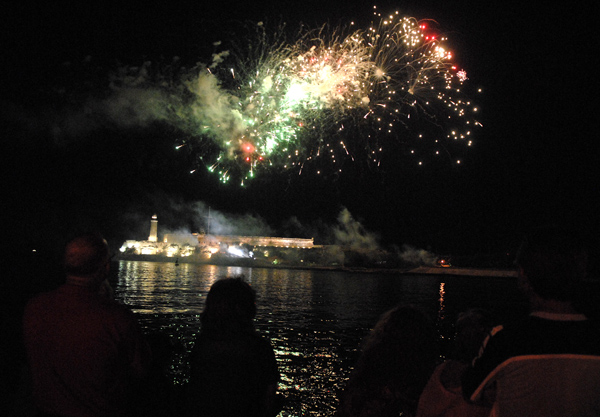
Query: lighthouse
column 153, row 229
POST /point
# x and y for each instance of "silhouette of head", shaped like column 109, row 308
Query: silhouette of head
column 472, row 326
column 554, row 261
column 230, row 306
column 86, row 255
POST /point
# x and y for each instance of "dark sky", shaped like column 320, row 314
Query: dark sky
column 534, row 162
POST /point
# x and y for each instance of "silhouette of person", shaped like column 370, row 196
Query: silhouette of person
column 548, row 363
column 85, row 351
column 233, row 368
column 442, row 396
column 397, row 359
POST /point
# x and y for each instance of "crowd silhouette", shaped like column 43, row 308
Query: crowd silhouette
column 87, row 356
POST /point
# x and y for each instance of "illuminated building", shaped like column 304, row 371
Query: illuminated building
column 259, row 251
column 278, row 242
column 194, row 247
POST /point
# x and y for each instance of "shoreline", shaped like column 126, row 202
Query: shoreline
column 420, row 270
column 473, row 272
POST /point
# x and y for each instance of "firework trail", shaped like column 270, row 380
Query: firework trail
column 329, row 96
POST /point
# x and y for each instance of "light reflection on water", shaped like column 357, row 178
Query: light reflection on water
column 315, row 319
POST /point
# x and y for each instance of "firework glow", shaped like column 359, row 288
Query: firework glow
column 331, row 96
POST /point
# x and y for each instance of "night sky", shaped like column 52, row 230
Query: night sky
column 534, row 162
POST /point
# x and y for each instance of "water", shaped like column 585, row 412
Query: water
column 316, row 320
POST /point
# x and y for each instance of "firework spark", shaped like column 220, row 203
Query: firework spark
column 329, row 96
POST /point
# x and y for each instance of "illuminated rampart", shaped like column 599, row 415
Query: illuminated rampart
column 277, row 242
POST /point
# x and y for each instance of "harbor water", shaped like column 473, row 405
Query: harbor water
column 315, row 319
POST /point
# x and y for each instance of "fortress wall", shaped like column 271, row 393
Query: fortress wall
column 282, row 242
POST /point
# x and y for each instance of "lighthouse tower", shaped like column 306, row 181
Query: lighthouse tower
column 153, row 229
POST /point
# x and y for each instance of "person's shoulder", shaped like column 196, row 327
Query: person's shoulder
column 530, row 326
column 117, row 307
column 40, row 300
column 259, row 342
column 541, row 334
column 523, row 327
column 262, row 339
column 114, row 309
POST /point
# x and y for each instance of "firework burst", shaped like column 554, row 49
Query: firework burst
column 330, row 96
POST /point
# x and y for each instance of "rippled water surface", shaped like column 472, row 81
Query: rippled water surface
column 315, row 319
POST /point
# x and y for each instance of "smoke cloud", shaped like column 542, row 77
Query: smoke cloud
column 417, row 256
column 346, row 241
column 214, row 106
column 188, row 99
column 350, row 233
column 176, row 215
column 220, row 223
